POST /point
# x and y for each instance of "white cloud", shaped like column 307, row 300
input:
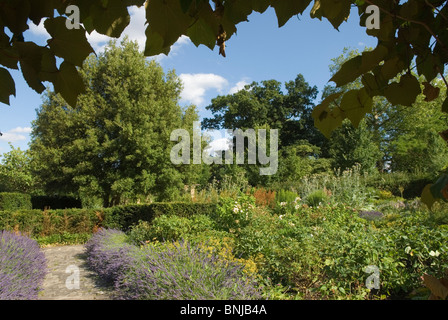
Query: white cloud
column 39, row 30
column 220, row 144
column 197, row 85
column 21, row 130
column 12, row 137
column 16, row 134
column 239, row 86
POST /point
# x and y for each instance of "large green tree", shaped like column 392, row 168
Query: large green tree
column 267, row 104
column 115, row 142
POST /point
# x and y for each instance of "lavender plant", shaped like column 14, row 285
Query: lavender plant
column 108, row 253
column 183, row 272
column 22, row 267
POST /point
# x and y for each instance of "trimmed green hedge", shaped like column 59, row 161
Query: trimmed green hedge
column 15, row 201
column 38, row 223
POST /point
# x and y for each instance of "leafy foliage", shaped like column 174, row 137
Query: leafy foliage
column 15, row 171
column 14, row 201
column 102, row 148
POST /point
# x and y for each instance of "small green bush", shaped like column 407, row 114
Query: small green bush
column 169, row 228
column 15, row 201
column 285, row 196
column 234, row 214
column 316, row 198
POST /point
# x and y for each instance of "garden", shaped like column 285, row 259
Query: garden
column 315, row 242
column 354, row 208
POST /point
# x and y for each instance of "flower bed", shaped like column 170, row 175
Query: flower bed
column 166, row 270
column 22, row 267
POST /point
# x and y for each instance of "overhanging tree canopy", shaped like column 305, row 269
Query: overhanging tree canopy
column 412, row 34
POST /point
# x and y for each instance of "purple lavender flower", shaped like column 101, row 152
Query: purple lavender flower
column 108, row 253
column 22, row 267
column 184, row 272
column 166, row 271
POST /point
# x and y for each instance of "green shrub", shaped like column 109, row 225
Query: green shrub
column 15, row 201
column 124, row 217
column 232, row 215
column 285, row 196
column 169, row 228
column 64, row 238
column 316, row 198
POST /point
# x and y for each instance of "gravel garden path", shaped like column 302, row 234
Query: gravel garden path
column 69, row 277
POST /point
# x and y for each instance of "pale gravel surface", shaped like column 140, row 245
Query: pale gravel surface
column 65, row 263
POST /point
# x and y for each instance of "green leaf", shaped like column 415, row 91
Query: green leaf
column 111, row 19
column 41, row 9
column 348, row 72
column 285, row 9
column 185, row 5
column 356, row 103
column 437, row 288
column 429, row 64
column 166, row 23
column 69, row 44
column 372, row 84
column 315, row 13
column 30, row 58
column 7, row 86
column 431, row 93
column 359, row 65
column 205, row 29
column 14, row 15
column 445, row 105
column 155, row 43
column 8, row 57
column 427, row 196
column 68, row 83
column 405, row 92
column 392, row 67
column 440, row 188
column 326, row 119
column 48, row 69
column 336, row 11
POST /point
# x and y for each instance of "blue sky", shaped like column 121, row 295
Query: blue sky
column 259, row 51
